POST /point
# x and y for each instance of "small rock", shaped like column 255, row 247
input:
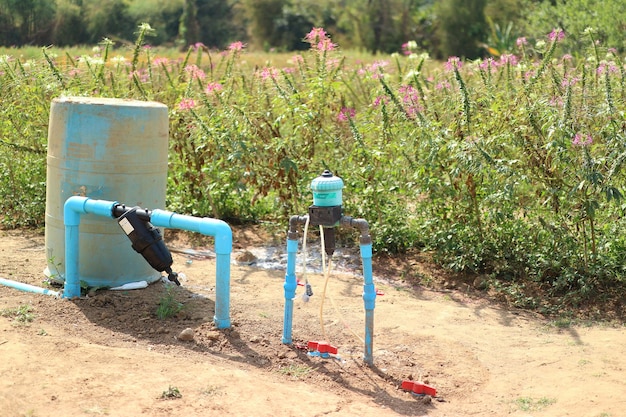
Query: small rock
column 213, row 335
column 480, row 283
column 449, row 285
column 255, row 339
column 186, row 335
column 246, row 257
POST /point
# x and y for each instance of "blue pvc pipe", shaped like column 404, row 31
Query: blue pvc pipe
column 290, row 289
column 27, row 287
column 369, row 299
column 369, row 296
column 223, row 247
column 75, row 206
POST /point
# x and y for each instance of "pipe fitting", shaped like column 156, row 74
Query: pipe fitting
column 360, row 224
column 206, row 226
column 294, row 221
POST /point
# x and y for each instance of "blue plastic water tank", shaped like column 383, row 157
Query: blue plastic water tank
column 110, row 149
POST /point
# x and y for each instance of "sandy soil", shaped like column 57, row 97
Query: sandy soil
column 109, row 354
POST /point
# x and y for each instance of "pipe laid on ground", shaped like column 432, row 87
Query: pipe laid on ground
column 28, row 288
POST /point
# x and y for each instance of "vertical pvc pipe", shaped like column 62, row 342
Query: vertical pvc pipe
column 290, row 288
column 223, row 248
column 369, row 300
column 73, row 208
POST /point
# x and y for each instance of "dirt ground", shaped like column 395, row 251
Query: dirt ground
column 109, row 354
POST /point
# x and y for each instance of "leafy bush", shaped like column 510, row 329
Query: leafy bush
column 510, row 167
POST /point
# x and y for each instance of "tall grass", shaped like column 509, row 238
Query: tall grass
column 508, row 166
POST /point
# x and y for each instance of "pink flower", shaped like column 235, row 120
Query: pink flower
column 444, row 85
column 378, row 65
column 160, row 61
column 582, row 140
column 236, row 46
column 315, row 36
column 345, row 114
column 194, row 72
column 405, row 49
column 521, row 42
column 452, row 63
column 556, row 34
column 266, row 73
column 608, row 67
column 488, row 64
column 556, row 101
column 325, row 45
column 213, row 87
column 410, row 97
column 508, row 59
column 380, row 100
column 187, row 104
column 568, row 80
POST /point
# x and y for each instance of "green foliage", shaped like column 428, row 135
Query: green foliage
column 171, row 393
column 461, row 27
column 168, row 305
column 574, row 16
column 507, row 167
column 22, row 315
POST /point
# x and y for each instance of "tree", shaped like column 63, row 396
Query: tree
column 188, row 30
column 107, row 18
column 261, row 15
column 606, row 17
column 68, row 24
column 26, row 21
column 217, row 22
column 461, row 27
column 163, row 17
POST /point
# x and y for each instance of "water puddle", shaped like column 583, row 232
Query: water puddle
column 345, row 260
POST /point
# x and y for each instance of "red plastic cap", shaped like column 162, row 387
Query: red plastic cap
column 419, row 388
column 322, row 347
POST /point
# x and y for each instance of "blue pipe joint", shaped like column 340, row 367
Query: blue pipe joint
column 291, row 283
column 206, row 226
column 369, row 290
column 369, row 296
